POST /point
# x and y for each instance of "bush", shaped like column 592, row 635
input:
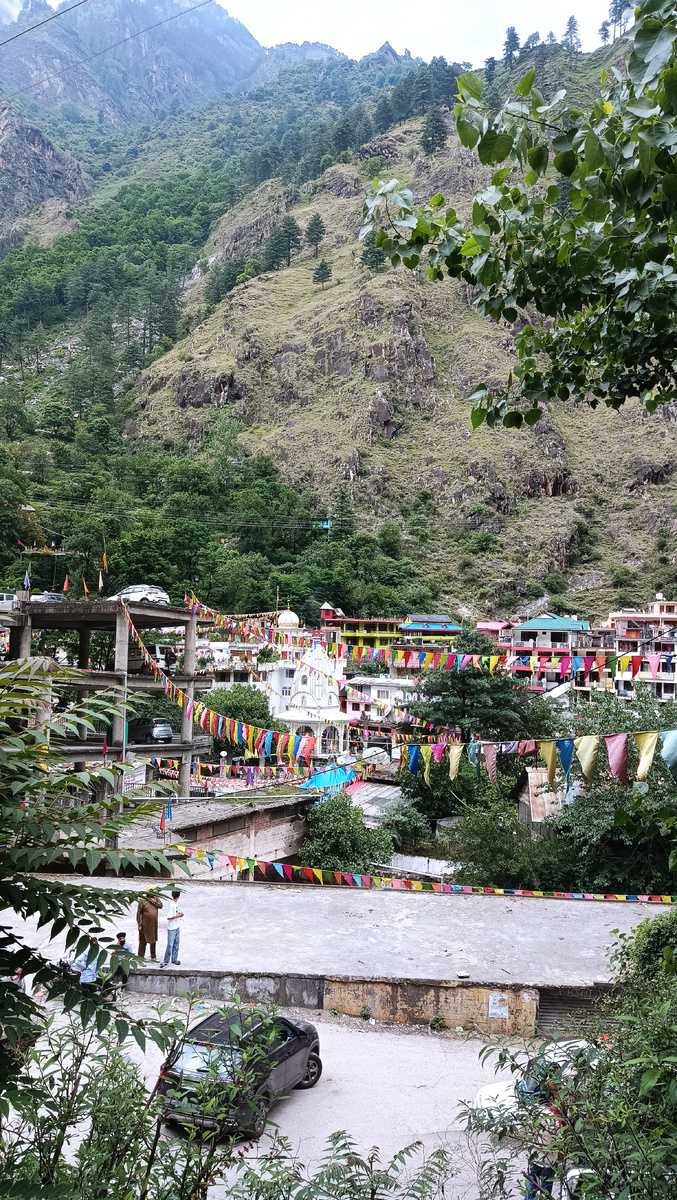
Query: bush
column 405, row 823
column 480, row 541
column 339, row 840
column 555, row 582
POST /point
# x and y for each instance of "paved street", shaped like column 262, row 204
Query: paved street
column 387, row 1086
column 497, row 939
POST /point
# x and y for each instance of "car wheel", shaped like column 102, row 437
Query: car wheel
column 145, row 600
column 313, row 1072
column 256, row 1121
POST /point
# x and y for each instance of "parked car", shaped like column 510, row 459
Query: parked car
column 50, row 598
column 142, row 593
column 500, row 1103
column 212, row 1053
column 17, row 979
column 8, row 602
column 150, row 729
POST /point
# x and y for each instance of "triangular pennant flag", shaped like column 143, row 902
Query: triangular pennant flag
column 586, row 752
column 669, row 750
column 309, row 872
column 566, row 753
column 366, row 881
column 455, row 752
column 348, row 878
column 358, row 880
column 426, row 755
column 251, row 865
column 338, row 877
column 646, row 744
column 490, row 759
column 637, row 660
column 318, row 874
column 233, row 862
column 287, row 870
column 653, row 660
column 548, row 752
column 278, row 868
column 617, row 753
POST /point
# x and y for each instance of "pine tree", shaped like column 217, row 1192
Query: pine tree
column 292, row 236
column 604, row 32
column 383, row 114
column 343, row 517
column 551, row 39
column 422, row 93
column 571, row 38
column 434, row 135
column 275, row 249
column 490, row 69
column 322, row 272
column 402, row 97
column 315, row 231
column 531, row 42
column 511, row 44
column 372, row 256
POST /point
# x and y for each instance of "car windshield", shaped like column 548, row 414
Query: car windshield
column 194, row 1058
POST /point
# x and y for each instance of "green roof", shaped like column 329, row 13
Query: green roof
column 556, row 624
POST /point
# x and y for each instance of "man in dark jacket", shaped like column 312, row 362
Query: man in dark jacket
column 146, row 919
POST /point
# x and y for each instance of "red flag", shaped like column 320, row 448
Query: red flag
column 105, row 746
column 636, row 663
column 308, row 871
column 287, row 870
column 65, row 585
column 337, row 876
column 162, row 822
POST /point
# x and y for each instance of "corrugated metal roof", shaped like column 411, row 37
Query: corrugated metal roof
column 558, row 624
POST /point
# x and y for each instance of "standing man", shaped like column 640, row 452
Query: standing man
column 146, row 919
column 86, row 967
column 173, row 931
column 123, row 949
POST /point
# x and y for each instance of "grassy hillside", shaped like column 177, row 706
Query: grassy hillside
column 365, row 382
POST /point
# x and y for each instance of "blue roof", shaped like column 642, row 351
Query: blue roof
column 436, row 624
column 557, row 624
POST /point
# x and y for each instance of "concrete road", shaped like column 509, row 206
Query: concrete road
column 386, row 1085
column 494, row 939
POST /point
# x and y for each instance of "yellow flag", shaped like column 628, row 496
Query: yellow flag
column 290, row 747
column 646, row 744
column 455, row 753
column 241, row 864
column 426, row 754
column 376, row 881
column 548, row 752
column 624, row 662
column 534, row 661
column 416, row 885
column 492, row 663
column 250, row 739
column 318, row 874
column 404, row 756
column 427, row 661
column 586, row 753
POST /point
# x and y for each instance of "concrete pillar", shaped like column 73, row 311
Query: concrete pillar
column 121, row 660
column 83, row 648
column 14, row 642
column 25, row 639
column 186, row 721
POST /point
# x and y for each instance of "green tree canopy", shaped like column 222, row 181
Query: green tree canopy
column 315, row 231
column 322, row 273
column 338, row 839
column 595, row 283
column 434, row 135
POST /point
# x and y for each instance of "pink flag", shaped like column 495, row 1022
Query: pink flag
column 564, row 666
column 287, row 870
column 490, row 758
column 438, row 751
column 348, row 878
column 466, row 659
column 654, row 660
column 617, row 750
column 587, row 664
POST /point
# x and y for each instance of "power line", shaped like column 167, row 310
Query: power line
column 130, row 37
column 46, row 21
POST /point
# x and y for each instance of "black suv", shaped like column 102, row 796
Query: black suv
column 152, row 729
column 212, row 1082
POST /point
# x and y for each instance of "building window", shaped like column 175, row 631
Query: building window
column 559, row 639
column 289, row 674
column 286, row 691
column 355, row 707
column 304, row 681
column 382, row 694
column 668, row 687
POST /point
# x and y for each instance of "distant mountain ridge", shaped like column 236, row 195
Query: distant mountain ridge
column 192, row 59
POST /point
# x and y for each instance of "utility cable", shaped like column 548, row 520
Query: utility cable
column 46, row 21
column 130, row 37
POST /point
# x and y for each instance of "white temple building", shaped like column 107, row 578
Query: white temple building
column 302, row 687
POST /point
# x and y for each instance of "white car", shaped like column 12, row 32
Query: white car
column 142, row 593
column 499, row 1103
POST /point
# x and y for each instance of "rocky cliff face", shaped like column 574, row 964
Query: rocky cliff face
column 31, row 170
column 186, row 62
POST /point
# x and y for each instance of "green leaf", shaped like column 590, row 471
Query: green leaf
column 669, row 82
column 526, row 83
column 477, row 416
column 566, row 163
column 538, row 159
column 467, row 132
column 553, row 193
column 437, row 201
column 470, row 83
column 494, row 147
column 531, row 178
column 594, row 154
column 513, row 420
column 649, row 1080
column 533, row 416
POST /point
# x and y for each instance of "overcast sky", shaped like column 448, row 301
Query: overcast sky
column 458, row 29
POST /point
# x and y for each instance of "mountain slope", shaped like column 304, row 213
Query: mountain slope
column 185, row 63
column 365, row 382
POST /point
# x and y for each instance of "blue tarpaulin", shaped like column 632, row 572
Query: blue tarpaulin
column 334, row 778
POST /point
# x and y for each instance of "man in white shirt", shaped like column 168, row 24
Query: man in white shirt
column 173, row 918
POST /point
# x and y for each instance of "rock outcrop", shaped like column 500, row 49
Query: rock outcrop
column 31, row 170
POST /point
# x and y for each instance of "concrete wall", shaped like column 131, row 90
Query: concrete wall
column 494, row 1009
column 269, row 834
